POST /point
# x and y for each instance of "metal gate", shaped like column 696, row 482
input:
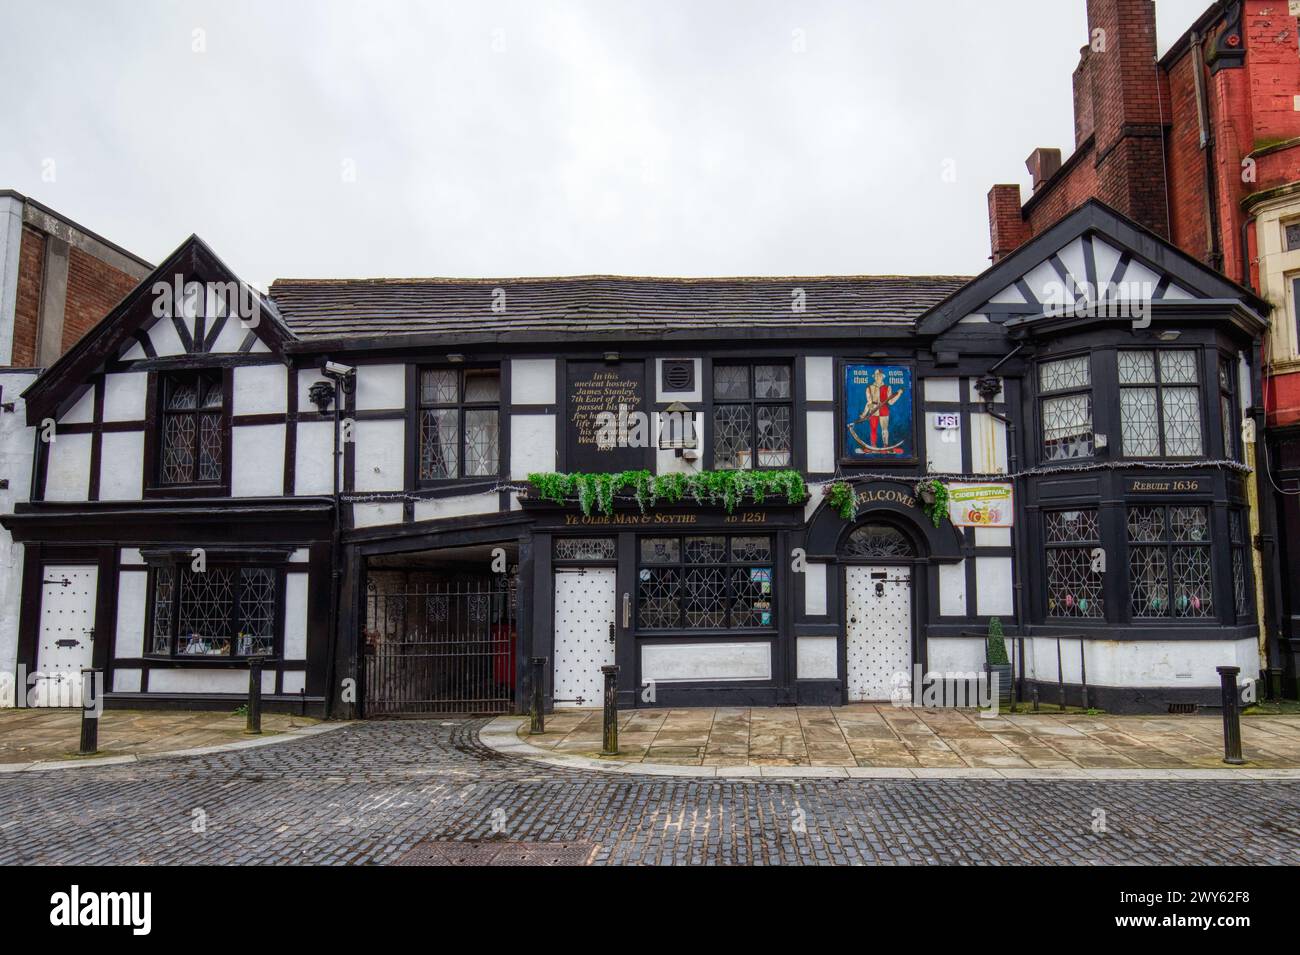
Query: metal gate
column 441, row 648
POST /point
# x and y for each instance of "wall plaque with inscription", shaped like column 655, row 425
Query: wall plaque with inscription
column 601, row 394
column 1167, row 485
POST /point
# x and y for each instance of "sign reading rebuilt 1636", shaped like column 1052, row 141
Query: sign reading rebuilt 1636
column 607, row 428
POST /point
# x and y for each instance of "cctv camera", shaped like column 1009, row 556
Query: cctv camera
column 337, row 369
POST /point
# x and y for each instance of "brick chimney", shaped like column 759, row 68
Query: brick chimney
column 1120, row 69
column 1007, row 228
column 1043, row 164
column 1082, row 98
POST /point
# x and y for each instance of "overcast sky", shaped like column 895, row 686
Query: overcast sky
column 336, row 139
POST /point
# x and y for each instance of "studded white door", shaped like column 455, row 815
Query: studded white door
column 879, row 605
column 65, row 643
column 584, row 621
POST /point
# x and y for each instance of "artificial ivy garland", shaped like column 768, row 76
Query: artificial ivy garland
column 933, row 496
column 596, row 492
column 842, row 500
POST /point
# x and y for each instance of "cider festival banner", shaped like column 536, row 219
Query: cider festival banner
column 878, row 412
column 980, row 505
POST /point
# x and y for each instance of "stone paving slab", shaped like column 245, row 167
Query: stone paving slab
column 827, row 742
column 33, row 740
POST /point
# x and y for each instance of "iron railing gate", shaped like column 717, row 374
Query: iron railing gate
column 440, row 648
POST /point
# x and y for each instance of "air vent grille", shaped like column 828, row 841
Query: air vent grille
column 679, row 375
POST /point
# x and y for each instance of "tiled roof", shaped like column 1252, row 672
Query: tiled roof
column 349, row 308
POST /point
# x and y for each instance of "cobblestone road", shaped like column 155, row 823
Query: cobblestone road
column 369, row 792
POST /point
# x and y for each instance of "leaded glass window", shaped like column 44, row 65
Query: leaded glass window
column 1241, row 592
column 878, row 541
column 1228, row 405
column 1066, row 408
column 1074, row 588
column 1169, row 561
column 705, row 582
column 584, row 548
column 753, row 419
column 193, row 414
column 222, row 611
column 1160, row 403
column 458, row 423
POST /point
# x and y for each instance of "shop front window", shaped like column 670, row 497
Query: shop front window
column 223, row 611
column 1066, row 408
column 1169, row 561
column 1074, row 580
column 706, row 582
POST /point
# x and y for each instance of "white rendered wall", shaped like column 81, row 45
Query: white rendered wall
column 819, row 379
column 955, row 654
column 313, row 457
column 532, row 444
column 121, row 465
column 257, row 460
column 380, row 387
column 67, row 475
column 1139, row 663
column 817, row 658
column 814, row 589
column 435, row 508
column 259, row 389
column 532, row 381
column 696, row 662
column 124, row 396
column 132, row 599
column 17, row 442
column 821, row 442
column 295, row 616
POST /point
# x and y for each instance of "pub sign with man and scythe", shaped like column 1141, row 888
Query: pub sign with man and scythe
column 877, row 412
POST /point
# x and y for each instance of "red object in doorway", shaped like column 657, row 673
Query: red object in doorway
column 503, row 658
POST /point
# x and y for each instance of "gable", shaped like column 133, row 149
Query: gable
column 1092, row 259
column 192, row 305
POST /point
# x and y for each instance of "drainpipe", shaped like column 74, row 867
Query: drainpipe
column 988, row 388
column 342, row 380
column 1267, row 503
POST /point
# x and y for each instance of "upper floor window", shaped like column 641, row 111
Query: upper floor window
column 1228, row 405
column 1160, row 403
column 459, row 423
column 753, row 418
column 1074, row 581
column 1066, row 408
column 1291, row 232
column 223, row 611
column 193, row 418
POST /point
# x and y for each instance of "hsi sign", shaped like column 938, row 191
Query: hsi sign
column 77, row 908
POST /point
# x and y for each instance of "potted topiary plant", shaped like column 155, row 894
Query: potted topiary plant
column 996, row 662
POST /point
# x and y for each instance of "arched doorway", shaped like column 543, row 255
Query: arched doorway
column 878, row 560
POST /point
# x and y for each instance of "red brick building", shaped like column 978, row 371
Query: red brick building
column 1201, row 146
column 57, row 280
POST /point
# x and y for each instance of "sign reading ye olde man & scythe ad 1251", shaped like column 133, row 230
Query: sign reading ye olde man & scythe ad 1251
column 980, row 505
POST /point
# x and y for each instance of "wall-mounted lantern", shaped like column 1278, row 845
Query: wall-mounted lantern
column 677, row 431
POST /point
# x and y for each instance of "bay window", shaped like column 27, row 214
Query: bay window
column 226, row 610
column 1160, row 403
column 1066, row 408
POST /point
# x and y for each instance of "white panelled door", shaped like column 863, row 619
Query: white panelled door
column 879, row 606
column 65, row 643
column 584, row 621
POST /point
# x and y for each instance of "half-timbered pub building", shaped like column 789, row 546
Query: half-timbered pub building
column 399, row 492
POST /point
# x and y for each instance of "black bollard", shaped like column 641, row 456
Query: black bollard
column 610, row 747
column 89, row 717
column 1231, row 716
column 254, row 724
column 538, row 724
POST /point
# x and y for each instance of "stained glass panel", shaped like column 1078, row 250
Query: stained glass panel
column 206, row 603
column 482, row 385
column 1137, row 368
column 660, row 550
column 256, row 611
column 439, row 386
column 164, row 592
column 1072, row 527
column 706, row 597
column 1178, row 367
column 658, row 598
column 1073, row 588
column 706, row 550
column 771, row 381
